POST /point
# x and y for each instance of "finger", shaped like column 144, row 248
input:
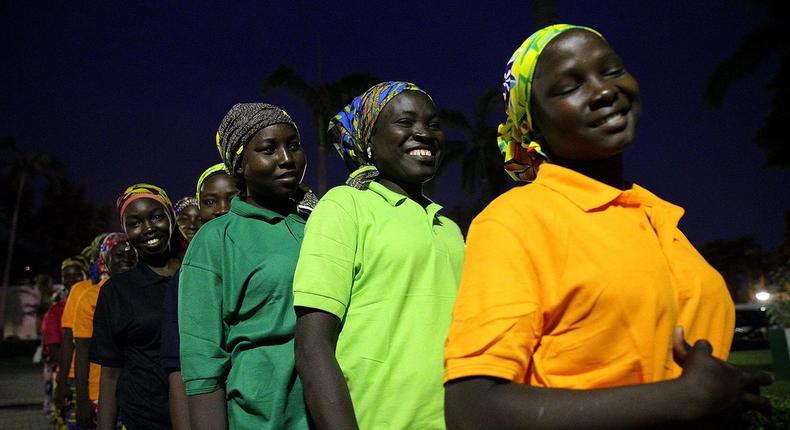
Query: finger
column 680, row 348
column 757, row 379
column 704, row 346
column 757, row 403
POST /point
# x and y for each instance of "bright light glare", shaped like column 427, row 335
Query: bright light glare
column 763, row 296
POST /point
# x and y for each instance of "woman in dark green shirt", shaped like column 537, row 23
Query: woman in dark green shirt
column 236, row 318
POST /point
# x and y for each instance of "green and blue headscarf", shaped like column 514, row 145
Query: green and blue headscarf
column 352, row 127
column 523, row 154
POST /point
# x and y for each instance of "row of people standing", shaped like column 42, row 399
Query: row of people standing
column 340, row 321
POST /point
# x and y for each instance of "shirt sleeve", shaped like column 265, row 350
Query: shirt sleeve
column 201, row 327
column 325, row 271
column 494, row 327
column 106, row 322
column 83, row 316
column 67, row 320
column 170, row 345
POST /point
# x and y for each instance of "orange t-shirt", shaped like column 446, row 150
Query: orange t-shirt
column 570, row 283
column 70, row 311
column 83, row 328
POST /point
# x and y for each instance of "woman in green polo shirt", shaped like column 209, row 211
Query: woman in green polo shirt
column 378, row 272
column 235, row 301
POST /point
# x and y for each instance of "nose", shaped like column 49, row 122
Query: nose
column 604, row 94
column 284, row 156
column 223, row 206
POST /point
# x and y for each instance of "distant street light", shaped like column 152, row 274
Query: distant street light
column 763, row 296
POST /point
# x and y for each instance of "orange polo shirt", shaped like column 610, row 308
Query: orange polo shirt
column 570, row 283
column 70, row 311
column 83, row 328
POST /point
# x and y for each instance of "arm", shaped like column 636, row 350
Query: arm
column 710, row 391
column 81, row 370
column 66, row 353
column 326, row 392
column 179, row 412
column 207, row 411
column 108, row 407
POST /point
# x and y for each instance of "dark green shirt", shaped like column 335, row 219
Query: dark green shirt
column 236, row 318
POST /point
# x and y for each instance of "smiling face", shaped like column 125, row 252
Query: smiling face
column 215, row 195
column 585, row 106
column 407, row 139
column 121, row 258
column 189, row 222
column 272, row 164
column 147, row 224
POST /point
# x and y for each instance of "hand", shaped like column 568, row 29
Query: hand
column 84, row 413
column 721, row 389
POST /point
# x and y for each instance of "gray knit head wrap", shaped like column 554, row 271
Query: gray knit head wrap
column 241, row 123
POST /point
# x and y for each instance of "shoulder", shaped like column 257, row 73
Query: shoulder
column 339, row 199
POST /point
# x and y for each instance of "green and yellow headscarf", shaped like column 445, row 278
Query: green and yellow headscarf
column 515, row 137
column 217, row 168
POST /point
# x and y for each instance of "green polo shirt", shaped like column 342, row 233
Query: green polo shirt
column 236, row 318
column 389, row 269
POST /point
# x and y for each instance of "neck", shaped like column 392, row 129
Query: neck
column 412, row 191
column 281, row 206
column 163, row 264
column 609, row 170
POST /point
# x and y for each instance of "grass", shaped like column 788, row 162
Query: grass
column 778, row 392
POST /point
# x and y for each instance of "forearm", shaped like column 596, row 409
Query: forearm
column 179, row 408
column 108, row 406
column 208, row 411
column 81, row 370
column 66, row 354
column 326, row 393
column 482, row 402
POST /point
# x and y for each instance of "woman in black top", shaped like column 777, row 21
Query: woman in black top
column 128, row 318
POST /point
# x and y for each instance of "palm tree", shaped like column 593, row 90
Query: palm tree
column 323, row 101
column 23, row 167
column 482, row 163
column 763, row 43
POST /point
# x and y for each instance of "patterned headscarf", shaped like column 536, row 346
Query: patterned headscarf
column 91, row 254
column 211, row 171
column 107, row 245
column 241, row 123
column 144, row 191
column 353, row 126
column 516, row 142
column 184, row 203
column 77, row 260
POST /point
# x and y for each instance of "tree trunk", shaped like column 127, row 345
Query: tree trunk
column 10, row 252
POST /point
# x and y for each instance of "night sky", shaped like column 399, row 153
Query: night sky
column 123, row 93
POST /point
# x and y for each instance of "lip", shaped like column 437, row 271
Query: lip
column 289, row 176
column 429, row 148
column 159, row 239
column 615, row 119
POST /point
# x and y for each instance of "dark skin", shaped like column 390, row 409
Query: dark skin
column 149, row 229
column 406, row 144
column 189, row 222
column 64, row 353
column 119, row 259
column 585, row 107
column 272, row 166
column 216, row 192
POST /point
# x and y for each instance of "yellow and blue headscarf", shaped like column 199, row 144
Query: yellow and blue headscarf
column 353, row 126
column 522, row 153
column 78, row 260
column 211, row 171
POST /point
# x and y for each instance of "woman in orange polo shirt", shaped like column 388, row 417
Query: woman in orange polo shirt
column 575, row 287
